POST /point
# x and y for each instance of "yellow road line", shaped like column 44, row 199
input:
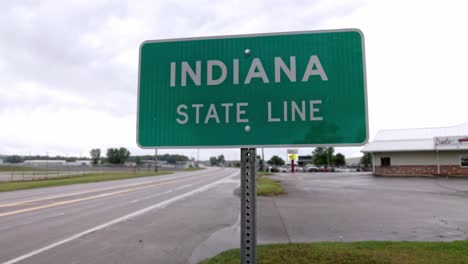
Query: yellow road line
column 84, row 199
column 78, row 193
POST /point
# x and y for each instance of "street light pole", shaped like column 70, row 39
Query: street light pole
column 47, row 164
column 263, row 161
column 156, row 160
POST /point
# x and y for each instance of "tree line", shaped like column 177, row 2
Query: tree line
column 121, row 155
column 113, row 156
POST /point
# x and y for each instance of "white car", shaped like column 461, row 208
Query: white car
column 310, row 168
column 285, row 168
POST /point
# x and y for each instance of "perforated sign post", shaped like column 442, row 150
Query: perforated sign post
column 268, row 90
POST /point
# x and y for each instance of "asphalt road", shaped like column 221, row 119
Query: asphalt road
column 189, row 216
column 357, row 206
column 160, row 219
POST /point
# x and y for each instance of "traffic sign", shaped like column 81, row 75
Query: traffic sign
column 293, row 156
column 268, row 90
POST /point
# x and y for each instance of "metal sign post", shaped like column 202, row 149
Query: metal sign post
column 248, row 207
column 298, row 89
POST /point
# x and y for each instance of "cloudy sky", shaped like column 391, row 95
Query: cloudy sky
column 68, row 69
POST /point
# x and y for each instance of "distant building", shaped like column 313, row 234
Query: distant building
column 80, row 163
column 1, row 161
column 420, row 152
column 150, row 163
column 356, row 161
column 182, row 164
column 304, row 160
column 44, row 162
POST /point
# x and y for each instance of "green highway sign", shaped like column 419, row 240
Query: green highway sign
column 265, row 90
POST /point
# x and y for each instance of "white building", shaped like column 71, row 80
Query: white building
column 79, row 163
column 421, row 152
column 44, row 162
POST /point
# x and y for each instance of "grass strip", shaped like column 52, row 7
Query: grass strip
column 6, row 168
column 268, row 187
column 371, row 252
column 193, row 169
column 264, row 173
column 92, row 177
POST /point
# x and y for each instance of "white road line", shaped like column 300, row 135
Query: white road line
column 149, row 181
column 159, row 194
column 118, row 220
column 183, row 187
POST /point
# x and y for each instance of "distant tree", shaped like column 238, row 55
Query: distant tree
column 319, row 156
column 214, row 161
column 173, row 158
column 14, row 159
column 330, row 155
column 323, row 156
column 276, row 161
column 117, row 156
column 366, row 160
column 138, row 161
column 339, row 160
column 261, row 163
column 70, row 159
column 221, row 159
column 95, row 155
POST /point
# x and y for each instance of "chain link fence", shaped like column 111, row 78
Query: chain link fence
column 21, row 172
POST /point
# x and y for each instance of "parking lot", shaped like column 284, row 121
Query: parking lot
column 358, row 206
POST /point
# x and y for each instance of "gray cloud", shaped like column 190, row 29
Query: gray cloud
column 59, row 55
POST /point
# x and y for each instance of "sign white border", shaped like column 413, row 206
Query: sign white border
column 260, row 35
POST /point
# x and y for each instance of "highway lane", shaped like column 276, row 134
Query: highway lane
column 43, row 192
column 31, row 199
column 32, row 220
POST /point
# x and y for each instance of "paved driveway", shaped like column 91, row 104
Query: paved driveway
column 357, row 206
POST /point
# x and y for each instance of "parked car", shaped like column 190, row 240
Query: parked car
column 274, row 169
column 327, row 169
column 285, row 168
column 341, row 169
column 310, row 168
column 345, row 169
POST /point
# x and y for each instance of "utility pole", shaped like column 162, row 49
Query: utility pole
column 156, row 160
column 47, row 164
column 263, row 161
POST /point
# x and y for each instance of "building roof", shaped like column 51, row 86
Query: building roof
column 419, row 139
column 45, row 161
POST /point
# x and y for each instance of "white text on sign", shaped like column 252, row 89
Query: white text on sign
column 256, row 70
column 222, row 113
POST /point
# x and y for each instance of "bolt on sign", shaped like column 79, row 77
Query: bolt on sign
column 266, row 90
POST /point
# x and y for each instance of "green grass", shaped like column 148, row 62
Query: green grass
column 268, row 187
column 264, row 173
column 354, row 253
column 92, row 177
column 193, row 169
column 7, row 168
